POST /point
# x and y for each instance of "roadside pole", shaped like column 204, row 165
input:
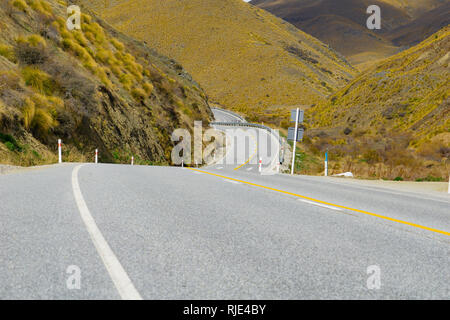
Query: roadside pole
column 59, row 151
column 326, row 164
column 260, row 165
column 448, row 185
column 295, row 141
column 96, row 156
column 132, row 160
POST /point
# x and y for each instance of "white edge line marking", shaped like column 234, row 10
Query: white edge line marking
column 320, row 205
column 231, row 181
column 117, row 273
column 248, row 169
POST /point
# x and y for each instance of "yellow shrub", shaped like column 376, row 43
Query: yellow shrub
column 102, row 75
column 117, row 44
column 78, row 35
column 43, row 122
column 8, row 52
column 104, row 56
column 39, row 80
column 28, row 112
column 96, row 30
column 40, row 6
column 19, row 4
column 39, row 115
column 86, row 18
column 138, row 94
column 36, row 40
column 117, row 71
column 126, row 80
column 148, row 87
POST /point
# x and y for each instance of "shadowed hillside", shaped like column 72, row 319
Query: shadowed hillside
column 423, row 26
column 244, row 57
column 93, row 88
column 342, row 24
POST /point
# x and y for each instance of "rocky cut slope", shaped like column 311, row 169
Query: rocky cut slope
column 244, row 57
column 93, row 88
column 396, row 114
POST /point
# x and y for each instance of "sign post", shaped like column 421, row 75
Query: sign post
column 326, row 164
column 96, row 156
column 295, row 134
column 59, row 151
column 132, row 160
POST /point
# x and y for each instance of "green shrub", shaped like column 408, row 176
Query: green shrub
column 398, row 179
column 10, row 142
column 430, row 179
column 10, row 146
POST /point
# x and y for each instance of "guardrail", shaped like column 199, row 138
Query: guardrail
column 231, row 112
column 253, row 125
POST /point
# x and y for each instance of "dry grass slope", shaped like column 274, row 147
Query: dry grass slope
column 93, row 88
column 244, row 57
column 396, row 115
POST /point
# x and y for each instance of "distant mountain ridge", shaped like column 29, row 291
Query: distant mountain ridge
column 342, row 24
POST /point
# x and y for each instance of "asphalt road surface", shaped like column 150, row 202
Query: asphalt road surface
column 216, row 233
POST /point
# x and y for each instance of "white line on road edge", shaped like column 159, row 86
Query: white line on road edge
column 320, row 205
column 248, row 169
column 117, row 273
column 231, row 181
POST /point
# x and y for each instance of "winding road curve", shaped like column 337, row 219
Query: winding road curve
column 216, row 233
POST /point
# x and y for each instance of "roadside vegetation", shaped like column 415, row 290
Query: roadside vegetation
column 93, row 88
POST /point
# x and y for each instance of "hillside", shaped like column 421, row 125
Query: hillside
column 395, row 117
column 421, row 27
column 244, row 57
column 93, row 88
column 342, row 24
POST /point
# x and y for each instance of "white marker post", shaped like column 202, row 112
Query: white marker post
column 96, row 155
column 260, row 165
column 295, row 140
column 59, row 151
column 132, row 161
column 326, row 164
column 448, row 185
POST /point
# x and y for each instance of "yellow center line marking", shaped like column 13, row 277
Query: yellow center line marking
column 249, row 159
column 328, row 203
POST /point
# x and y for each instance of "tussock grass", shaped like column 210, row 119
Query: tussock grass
column 38, row 80
column 8, row 52
column 19, row 4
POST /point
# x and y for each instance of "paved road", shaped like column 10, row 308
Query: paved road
column 174, row 233
column 247, row 146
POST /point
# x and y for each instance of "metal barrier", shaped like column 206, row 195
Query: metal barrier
column 232, row 113
column 253, row 125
